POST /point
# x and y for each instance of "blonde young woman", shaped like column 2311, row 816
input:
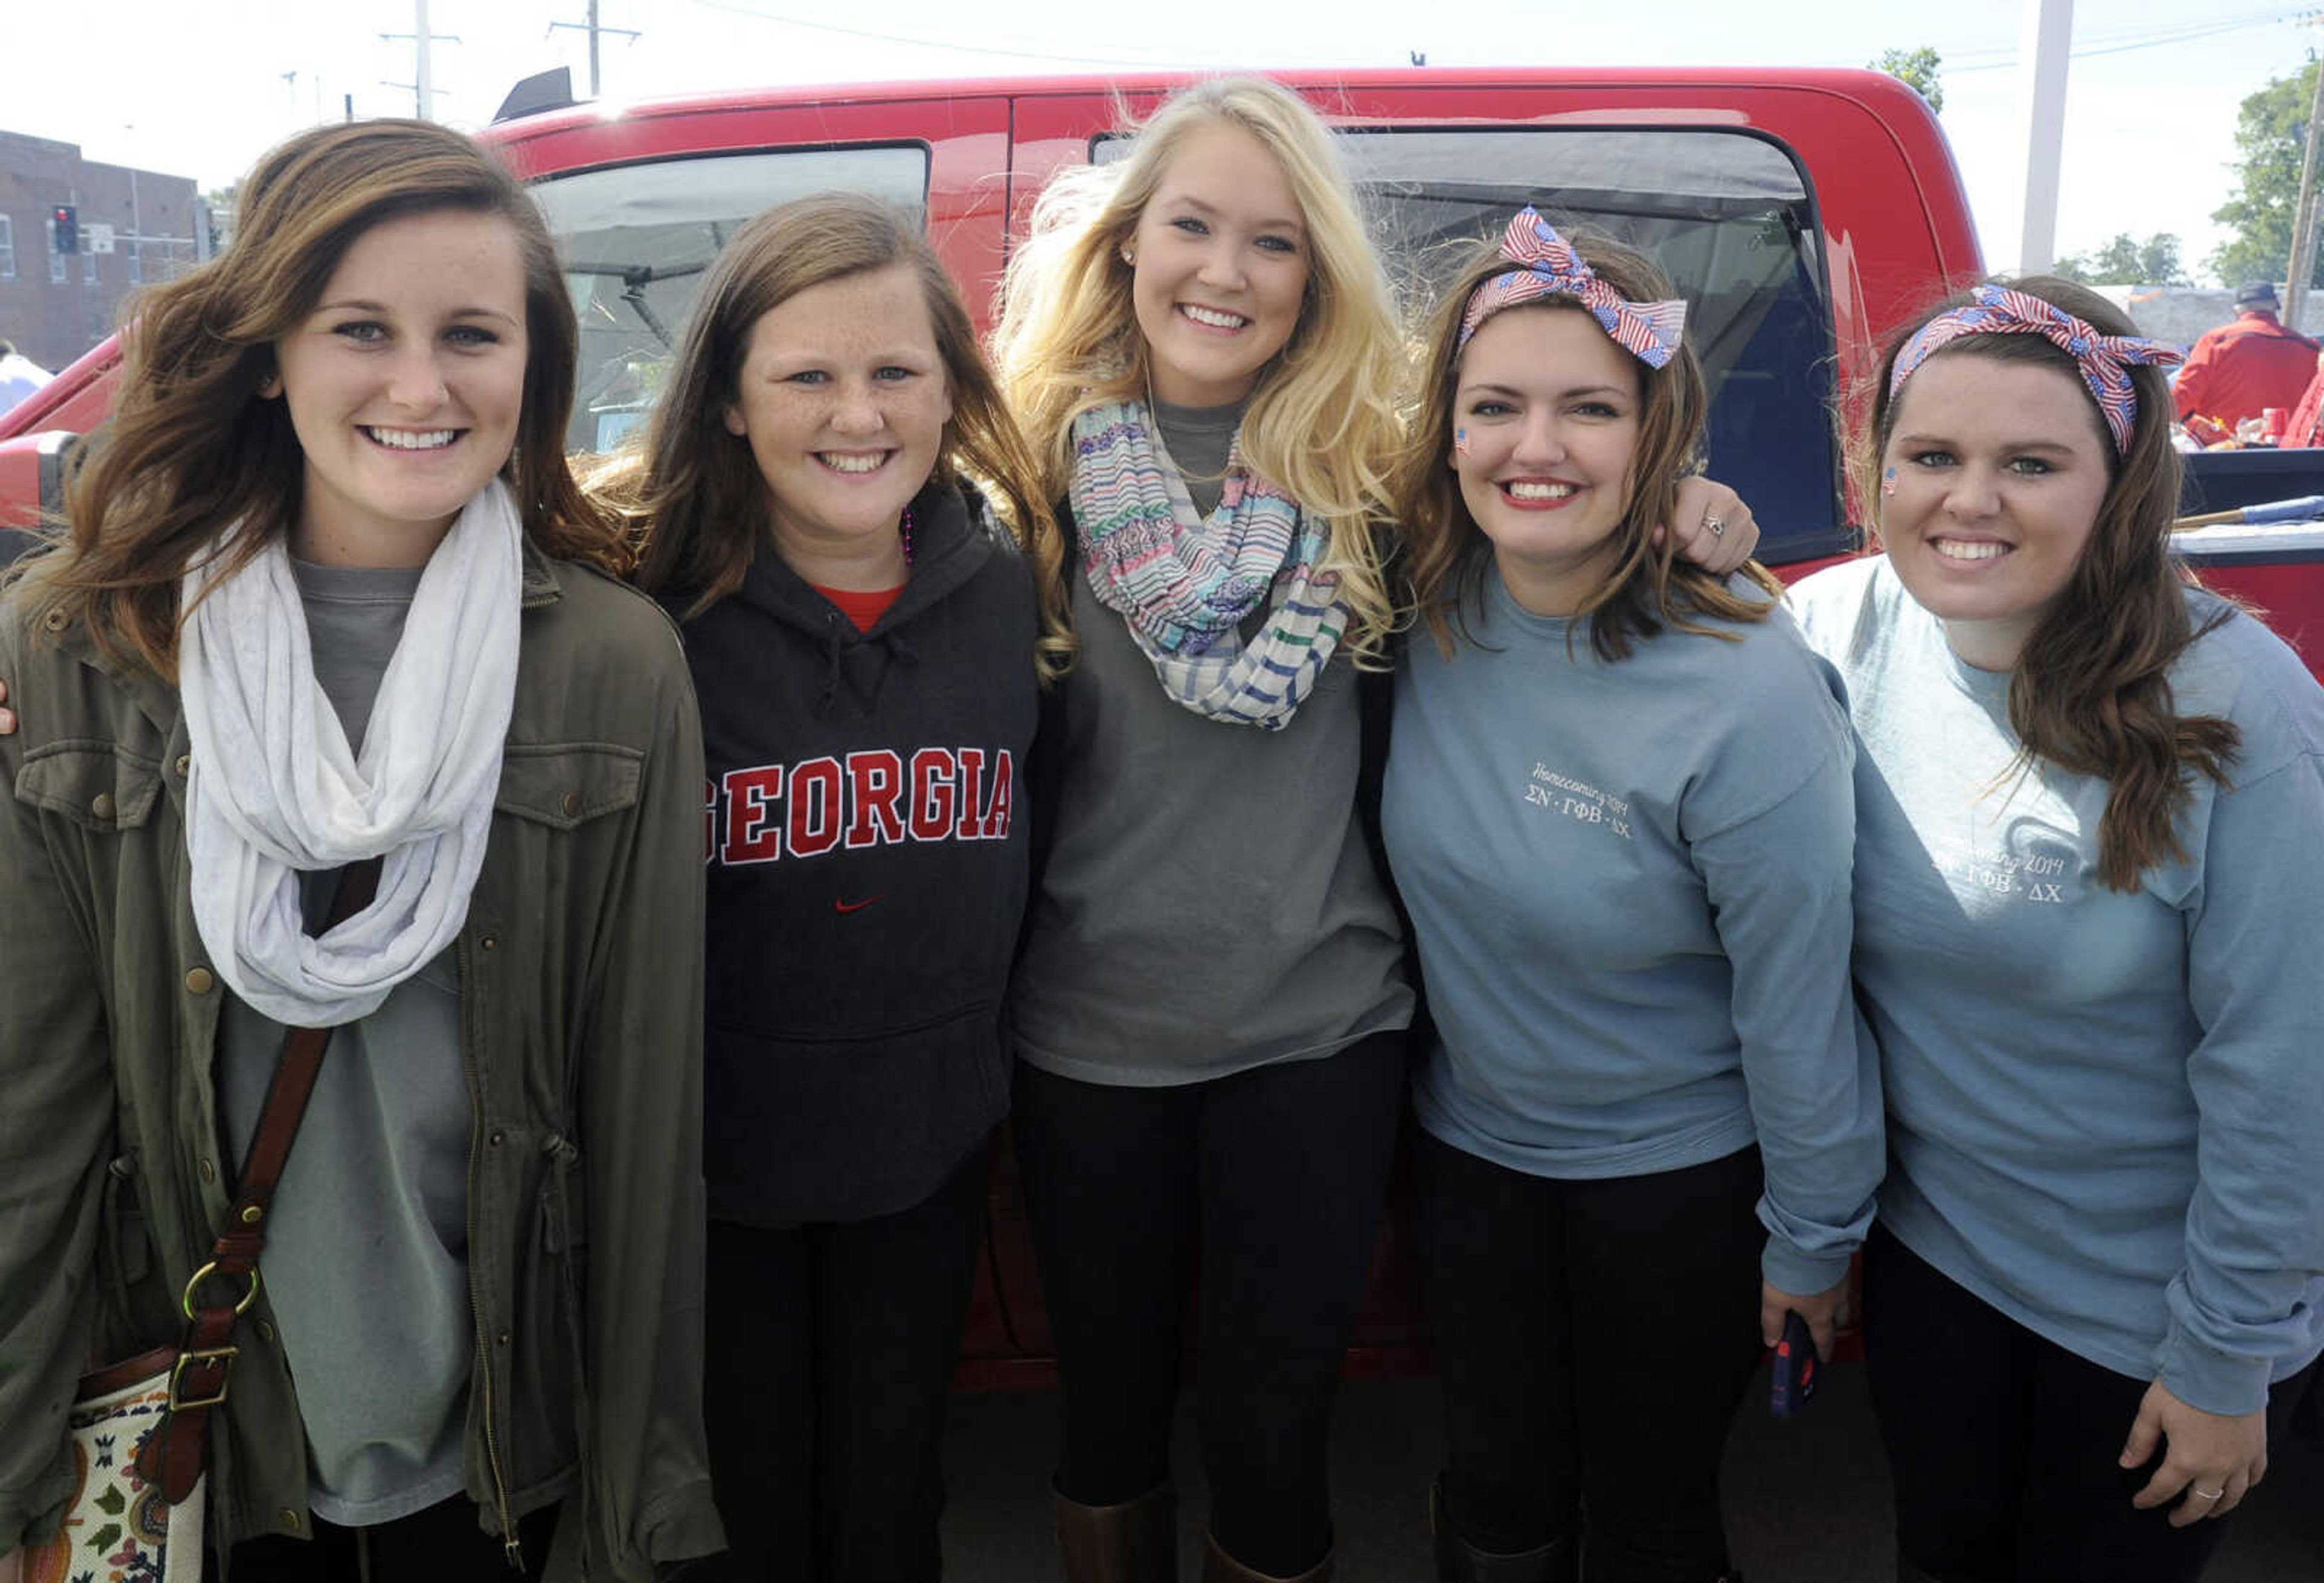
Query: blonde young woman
column 1209, row 1012
column 331, row 593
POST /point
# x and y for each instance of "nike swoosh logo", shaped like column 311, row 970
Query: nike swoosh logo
column 838, row 906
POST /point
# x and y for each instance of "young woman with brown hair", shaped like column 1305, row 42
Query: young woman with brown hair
column 2085, row 939
column 868, row 643
column 330, row 593
column 1618, row 807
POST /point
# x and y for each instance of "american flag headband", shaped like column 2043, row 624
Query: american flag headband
column 1547, row 266
column 2104, row 361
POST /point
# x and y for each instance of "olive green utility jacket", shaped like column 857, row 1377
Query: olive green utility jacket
column 581, row 1008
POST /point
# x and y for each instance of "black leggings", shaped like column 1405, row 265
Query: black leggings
column 1278, row 1176
column 1593, row 1338
column 442, row 1545
column 2004, row 1445
column 830, row 1350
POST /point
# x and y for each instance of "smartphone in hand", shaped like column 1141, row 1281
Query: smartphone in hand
column 1793, row 1383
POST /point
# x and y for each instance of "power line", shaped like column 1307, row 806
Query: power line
column 2177, row 34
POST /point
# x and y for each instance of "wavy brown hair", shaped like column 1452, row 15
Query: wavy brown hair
column 2092, row 693
column 194, row 452
column 693, row 490
column 1646, row 587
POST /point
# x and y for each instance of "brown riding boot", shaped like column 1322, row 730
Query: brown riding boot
column 1135, row 1541
column 1218, row 1567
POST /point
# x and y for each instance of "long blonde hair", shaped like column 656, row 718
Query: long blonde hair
column 1322, row 424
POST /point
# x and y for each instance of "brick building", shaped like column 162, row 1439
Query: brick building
column 135, row 227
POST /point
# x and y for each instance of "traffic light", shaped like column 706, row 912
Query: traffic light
column 67, row 219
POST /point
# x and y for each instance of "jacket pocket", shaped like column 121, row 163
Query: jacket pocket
column 562, row 785
column 552, row 1397
column 99, row 786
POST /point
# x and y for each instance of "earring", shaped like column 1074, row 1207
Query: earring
column 1129, row 256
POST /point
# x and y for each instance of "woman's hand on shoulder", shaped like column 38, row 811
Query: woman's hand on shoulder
column 7, row 724
column 1825, row 1311
column 1711, row 525
column 2209, row 1457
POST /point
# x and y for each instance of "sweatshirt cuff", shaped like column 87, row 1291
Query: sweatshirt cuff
column 1803, row 1274
column 2202, row 1376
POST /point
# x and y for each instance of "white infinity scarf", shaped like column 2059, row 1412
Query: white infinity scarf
column 275, row 789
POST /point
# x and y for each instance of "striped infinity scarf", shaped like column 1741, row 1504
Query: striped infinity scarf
column 1184, row 583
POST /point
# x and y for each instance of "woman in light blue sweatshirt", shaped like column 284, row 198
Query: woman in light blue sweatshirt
column 1618, row 808
column 2088, row 875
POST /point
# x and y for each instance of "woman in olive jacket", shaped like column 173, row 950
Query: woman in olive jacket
column 483, row 1264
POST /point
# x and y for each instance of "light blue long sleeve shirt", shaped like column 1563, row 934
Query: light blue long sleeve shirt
column 2105, row 1110
column 1629, row 882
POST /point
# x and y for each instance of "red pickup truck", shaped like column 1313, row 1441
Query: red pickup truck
column 1801, row 213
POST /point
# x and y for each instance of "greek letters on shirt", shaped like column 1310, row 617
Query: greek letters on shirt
column 2034, row 863
column 1577, row 800
column 875, row 798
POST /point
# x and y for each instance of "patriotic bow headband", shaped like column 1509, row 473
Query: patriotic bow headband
column 1548, row 266
column 2105, row 360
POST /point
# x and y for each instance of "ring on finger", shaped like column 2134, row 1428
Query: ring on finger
column 2206, row 1495
column 1717, row 526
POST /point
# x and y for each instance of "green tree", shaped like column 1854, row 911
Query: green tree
column 2126, row 261
column 1916, row 69
column 2270, row 134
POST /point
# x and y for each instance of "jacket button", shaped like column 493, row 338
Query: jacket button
column 101, row 804
column 184, row 766
column 497, row 1138
column 290, row 1519
column 200, row 981
column 55, row 620
column 266, row 1332
column 572, row 805
column 209, row 1171
column 489, row 942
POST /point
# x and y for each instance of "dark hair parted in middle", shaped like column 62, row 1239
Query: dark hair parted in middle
column 697, row 487
column 1646, row 587
column 2091, row 692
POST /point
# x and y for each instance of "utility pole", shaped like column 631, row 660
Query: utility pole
column 423, row 74
column 2041, row 76
column 593, row 28
column 2303, row 229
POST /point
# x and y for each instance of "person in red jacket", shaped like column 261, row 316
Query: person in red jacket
column 2306, row 426
column 2237, row 369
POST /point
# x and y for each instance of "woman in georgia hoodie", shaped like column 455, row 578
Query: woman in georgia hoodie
column 868, row 645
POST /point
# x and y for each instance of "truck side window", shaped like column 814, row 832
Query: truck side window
column 637, row 240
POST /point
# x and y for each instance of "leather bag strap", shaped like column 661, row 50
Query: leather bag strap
column 176, row 1452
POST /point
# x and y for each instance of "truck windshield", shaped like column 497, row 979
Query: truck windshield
column 1728, row 215
column 637, row 240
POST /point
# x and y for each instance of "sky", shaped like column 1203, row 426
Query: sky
column 2151, row 104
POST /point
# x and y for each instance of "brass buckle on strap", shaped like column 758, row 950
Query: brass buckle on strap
column 223, row 1356
column 204, row 1273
